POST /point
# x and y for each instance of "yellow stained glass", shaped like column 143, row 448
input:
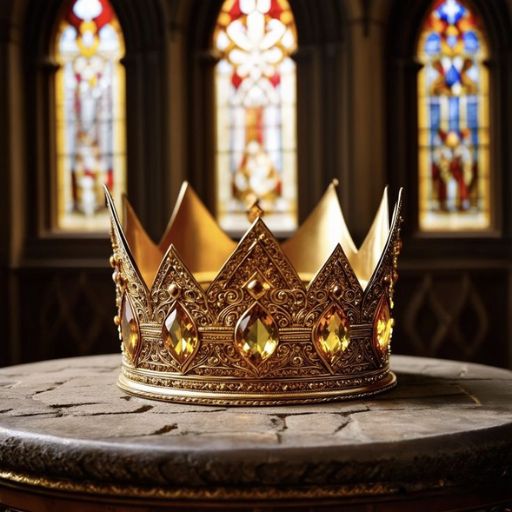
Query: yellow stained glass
column 453, row 136
column 256, row 113
column 90, row 115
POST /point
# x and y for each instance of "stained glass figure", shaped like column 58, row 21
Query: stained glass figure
column 454, row 170
column 90, row 114
column 256, row 113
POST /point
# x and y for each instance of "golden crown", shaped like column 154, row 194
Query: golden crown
column 306, row 321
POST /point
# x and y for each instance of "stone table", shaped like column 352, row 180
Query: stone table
column 70, row 440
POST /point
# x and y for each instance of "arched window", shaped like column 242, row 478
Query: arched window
column 256, row 113
column 90, row 114
column 453, row 96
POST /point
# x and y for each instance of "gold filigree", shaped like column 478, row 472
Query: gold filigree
column 255, row 331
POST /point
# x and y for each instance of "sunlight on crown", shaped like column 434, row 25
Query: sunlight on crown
column 204, row 247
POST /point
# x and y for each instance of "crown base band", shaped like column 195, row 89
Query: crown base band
column 324, row 390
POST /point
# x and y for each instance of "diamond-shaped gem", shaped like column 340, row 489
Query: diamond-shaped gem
column 257, row 285
column 256, row 335
column 332, row 333
column 180, row 334
column 129, row 329
column 383, row 328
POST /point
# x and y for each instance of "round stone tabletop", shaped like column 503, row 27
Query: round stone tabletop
column 65, row 426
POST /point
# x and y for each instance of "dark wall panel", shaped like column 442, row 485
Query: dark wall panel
column 453, row 314
column 66, row 313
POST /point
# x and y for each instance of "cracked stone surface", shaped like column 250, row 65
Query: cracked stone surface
column 446, row 422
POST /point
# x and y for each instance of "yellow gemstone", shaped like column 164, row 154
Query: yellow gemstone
column 129, row 329
column 383, row 327
column 256, row 335
column 180, row 333
column 332, row 333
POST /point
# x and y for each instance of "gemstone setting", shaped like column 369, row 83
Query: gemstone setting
column 180, row 335
column 383, row 327
column 331, row 335
column 257, row 285
column 256, row 335
column 129, row 329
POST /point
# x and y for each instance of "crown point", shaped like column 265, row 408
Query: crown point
column 335, row 182
column 255, row 211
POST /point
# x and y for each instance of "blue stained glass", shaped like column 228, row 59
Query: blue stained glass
column 452, row 76
column 471, row 43
column 433, row 44
column 451, row 12
column 472, row 113
column 452, row 90
column 472, row 119
column 453, row 116
column 435, row 120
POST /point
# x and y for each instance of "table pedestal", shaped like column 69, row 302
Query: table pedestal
column 70, row 440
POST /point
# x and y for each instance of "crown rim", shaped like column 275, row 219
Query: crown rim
column 132, row 385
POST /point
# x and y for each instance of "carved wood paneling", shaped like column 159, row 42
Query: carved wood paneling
column 453, row 314
column 66, row 313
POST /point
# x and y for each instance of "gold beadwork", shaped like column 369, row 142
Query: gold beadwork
column 174, row 290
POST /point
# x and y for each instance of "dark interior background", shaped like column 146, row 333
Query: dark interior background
column 356, row 122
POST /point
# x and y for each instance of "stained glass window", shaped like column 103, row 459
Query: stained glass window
column 90, row 113
column 454, row 167
column 256, row 113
